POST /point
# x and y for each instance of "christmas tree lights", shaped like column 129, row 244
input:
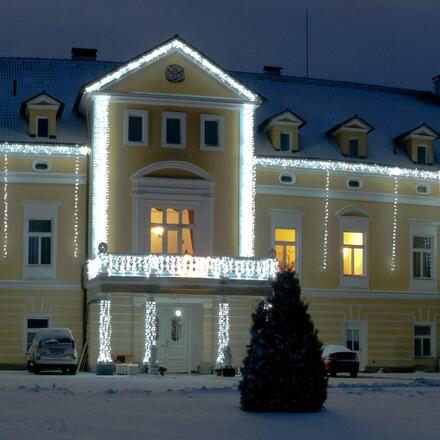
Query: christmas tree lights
column 326, row 217
column 394, row 236
column 5, row 205
column 105, row 331
column 223, row 331
column 75, row 210
column 150, row 328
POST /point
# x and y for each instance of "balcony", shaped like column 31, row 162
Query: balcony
column 163, row 273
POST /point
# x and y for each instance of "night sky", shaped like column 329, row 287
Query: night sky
column 391, row 42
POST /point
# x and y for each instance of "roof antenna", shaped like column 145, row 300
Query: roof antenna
column 307, row 43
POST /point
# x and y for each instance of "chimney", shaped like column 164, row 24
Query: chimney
column 272, row 70
column 83, row 54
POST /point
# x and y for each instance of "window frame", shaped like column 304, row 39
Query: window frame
column 432, row 337
column 288, row 133
column 284, row 219
column 220, row 128
column 423, row 228
column 354, row 223
column 36, row 210
column 174, row 115
column 425, row 147
column 37, row 118
column 352, row 248
column 358, row 147
column 26, row 329
column 137, row 113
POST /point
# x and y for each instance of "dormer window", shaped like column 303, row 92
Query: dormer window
column 419, row 144
column 42, row 127
column 42, row 112
column 351, row 136
column 282, row 130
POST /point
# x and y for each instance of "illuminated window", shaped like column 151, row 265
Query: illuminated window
column 353, row 253
column 285, row 246
column 171, row 231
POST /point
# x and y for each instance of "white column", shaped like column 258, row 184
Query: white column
column 222, row 331
column 105, row 332
column 150, row 328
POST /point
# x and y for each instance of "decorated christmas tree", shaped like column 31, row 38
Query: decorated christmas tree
column 283, row 370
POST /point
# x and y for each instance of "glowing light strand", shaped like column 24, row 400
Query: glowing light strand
column 181, row 266
column 188, row 52
column 223, row 331
column 395, row 215
column 44, row 149
column 150, row 327
column 75, row 210
column 5, row 205
column 100, row 141
column 326, row 218
column 105, row 331
column 247, row 182
column 346, row 167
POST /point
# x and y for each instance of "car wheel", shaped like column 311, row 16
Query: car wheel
column 64, row 370
column 29, row 367
column 353, row 374
column 72, row 371
column 36, row 369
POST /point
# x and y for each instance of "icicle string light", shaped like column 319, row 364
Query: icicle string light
column 100, row 141
column 326, row 217
column 150, row 328
column 223, row 331
column 105, row 331
column 44, row 149
column 247, row 182
column 394, row 236
column 5, row 205
column 346, row 167
column 75, row 210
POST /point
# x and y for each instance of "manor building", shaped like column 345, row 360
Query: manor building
column 149, row 203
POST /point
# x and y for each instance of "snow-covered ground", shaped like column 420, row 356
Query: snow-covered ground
column 377, row 406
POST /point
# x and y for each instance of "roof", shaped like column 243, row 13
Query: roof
column 59, row 78
column 322, row 103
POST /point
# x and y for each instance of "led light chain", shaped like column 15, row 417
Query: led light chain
column 75, row 210
column 326, row 217
column 44, row 150
column 150, row 328
column 346, row 167
column 100, row 142
column 247, row 182
column 394, row 237
column 5, row 206
column 105, row 331
column 223, row 331
column 182, row 266
column 174, row 45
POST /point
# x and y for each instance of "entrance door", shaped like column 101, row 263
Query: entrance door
column 172, row 339
column 355, row 340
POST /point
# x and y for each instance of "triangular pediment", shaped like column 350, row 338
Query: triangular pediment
column 42, row 100
column 421, row 131
column 355, row 123
column 285, row 118
column 173, row 67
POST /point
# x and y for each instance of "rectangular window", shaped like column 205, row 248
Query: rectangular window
column 32, row 326
column 136, row 127
column 421, row 155
column 211, row 132
column 42, row 127
column 40, row 242
column 353, row 253
column 173, row 129
column 285, row 141
column 354, row 148
column 285, row 246
column 423, row 341
column 172, row 231
column 422, row 257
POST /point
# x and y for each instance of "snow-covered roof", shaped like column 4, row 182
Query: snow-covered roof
column 325, row 104
column 322, row 103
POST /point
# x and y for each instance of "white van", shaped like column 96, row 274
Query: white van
column 53, row 348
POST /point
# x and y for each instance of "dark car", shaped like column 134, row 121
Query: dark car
column 340, row 359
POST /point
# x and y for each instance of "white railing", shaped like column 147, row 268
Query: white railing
column 181, row 266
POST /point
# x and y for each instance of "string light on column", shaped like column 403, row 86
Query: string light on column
column 395, row 212
column 150, row 328
column 223, row 331
column 5, row 206
column 105, row 331
column 326, row 217
column 75, row 209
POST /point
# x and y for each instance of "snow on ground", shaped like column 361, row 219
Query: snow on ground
column 51, row 406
